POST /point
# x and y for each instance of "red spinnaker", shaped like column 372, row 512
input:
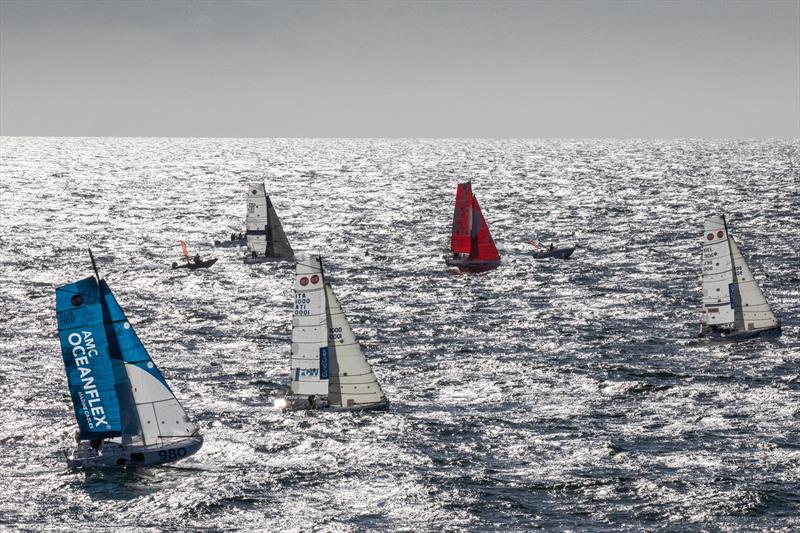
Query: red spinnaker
column 483, row 247
column 185, row 251
column 460, row 241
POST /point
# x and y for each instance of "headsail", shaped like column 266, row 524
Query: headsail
column 717, row 276
column 460, row 240
column 310, row 357
column 352, row 381
column 277, row 243
column 265, row 235
column 184, row 250
column 150, row 411
column 482, row 247
column 753, row 307
column 85, row 350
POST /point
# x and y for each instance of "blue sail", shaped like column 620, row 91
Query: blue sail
column 84, row 347
column 124, row 343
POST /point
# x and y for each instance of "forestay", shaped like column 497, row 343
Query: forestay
column 151, row 413
column 85, row 350
column 352, row 381
column 310, row 357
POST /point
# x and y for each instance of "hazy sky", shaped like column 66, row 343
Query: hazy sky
column 400, row 69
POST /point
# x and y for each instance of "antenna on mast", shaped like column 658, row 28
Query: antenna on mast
column 94, row 266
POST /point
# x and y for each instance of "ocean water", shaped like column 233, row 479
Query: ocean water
column 569, row 395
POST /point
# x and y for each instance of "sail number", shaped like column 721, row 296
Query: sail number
column 301, row 302
column 335, row 334
column 165, row 455
column 251, row 207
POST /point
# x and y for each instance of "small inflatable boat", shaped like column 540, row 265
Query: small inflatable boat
column 558, row 253
column 194, row 266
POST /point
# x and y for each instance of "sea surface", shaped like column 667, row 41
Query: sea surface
column 561, row 395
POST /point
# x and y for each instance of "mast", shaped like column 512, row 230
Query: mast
column 94, row 266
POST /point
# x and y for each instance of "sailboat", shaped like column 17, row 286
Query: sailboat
column 127, row 415
column 328, row 368
column 734, row 308
column 471, row 244
column 266, row 240
column 192, row 263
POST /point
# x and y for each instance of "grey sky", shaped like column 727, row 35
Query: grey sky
column 400, row 69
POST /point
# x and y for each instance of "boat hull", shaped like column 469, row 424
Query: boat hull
column 558, row 253
column 764, row 333
column 471, row 265
column 116, row 455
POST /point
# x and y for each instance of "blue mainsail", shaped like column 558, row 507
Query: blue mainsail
column 84, row 347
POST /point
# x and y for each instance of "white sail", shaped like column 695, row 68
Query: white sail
column 256, row 218
column 310, row 358
column 265, row 235
column 352, row 381
column 160, row 414
column 717, row 274
column 755, row 310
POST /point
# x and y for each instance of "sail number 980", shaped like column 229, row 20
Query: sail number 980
column 173, row 454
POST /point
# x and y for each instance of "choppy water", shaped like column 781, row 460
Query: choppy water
column 562, row 395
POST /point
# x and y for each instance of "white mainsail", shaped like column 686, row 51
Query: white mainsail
column 717, row 274
column 755, row 311
column 310, row 357
column 265, row 235
column 256, row 218
column 352, row 381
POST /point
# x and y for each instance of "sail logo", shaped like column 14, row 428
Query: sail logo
column 305, row 373
column 83, row 349
column 323, row 362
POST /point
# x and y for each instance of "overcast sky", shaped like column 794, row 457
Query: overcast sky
column 400, row 69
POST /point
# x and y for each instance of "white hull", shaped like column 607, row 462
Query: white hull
column 114, row 454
